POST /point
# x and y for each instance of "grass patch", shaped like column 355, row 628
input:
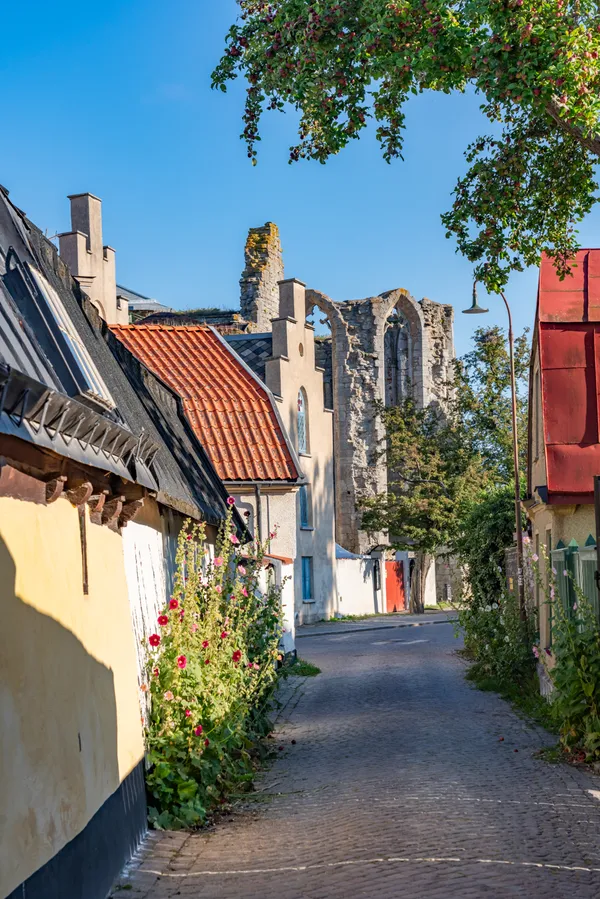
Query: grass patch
column 554, row 755
column 524, row 697
column 301, row 668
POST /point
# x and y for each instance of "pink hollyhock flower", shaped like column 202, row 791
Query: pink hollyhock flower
column 181, row 662
column 226, row 622
column 198, row 730
column 279, row 658
column 194, row 628
column 551, row 592
column 163, row 620
column 565, row 573
column 144, row 688
column 173, row 603
column 256, row 666
column 230, row 501
column 244, row 591
column 574, row 606
column 526, row 540
column 237, row 655
column 234, row 539
column 218, row 561
column 205, row 644
column 154, row 640
column 188, row 713
column 169, row 696
column 535, row 557
column 241, row 569
column 219, row 589
column 181, row 614
column 536, row 652
column 224, row 635
column 249, row 665
column 272, row 535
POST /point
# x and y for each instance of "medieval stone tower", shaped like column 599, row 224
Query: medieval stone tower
column 387, row 347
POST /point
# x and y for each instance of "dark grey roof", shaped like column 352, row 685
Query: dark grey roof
column 254, row 349
column 145, row 408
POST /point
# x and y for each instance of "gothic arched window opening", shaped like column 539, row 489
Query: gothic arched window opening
column 302, row 422
column 398, row 359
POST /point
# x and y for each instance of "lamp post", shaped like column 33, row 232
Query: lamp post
column 474, row 310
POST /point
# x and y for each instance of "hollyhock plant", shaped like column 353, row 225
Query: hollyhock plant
column 230, row 700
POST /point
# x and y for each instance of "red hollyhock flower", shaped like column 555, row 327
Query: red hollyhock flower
column 188, row 714
column 236, row 656
column 162, row 620
column 198, row 730
column 154, row 640
column 156, row 672
column 205, row 644
column 207, row 742
column 174, row 604
column 207, row 661
column 224, row 635
column 181, row 662
column 230, row 501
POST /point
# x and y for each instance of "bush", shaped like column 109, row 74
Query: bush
column 498, row 640
column 210, row 679
column 576, row 676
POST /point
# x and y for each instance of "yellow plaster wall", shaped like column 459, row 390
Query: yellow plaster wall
column 70, row 727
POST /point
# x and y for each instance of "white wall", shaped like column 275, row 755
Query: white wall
column 355, row 589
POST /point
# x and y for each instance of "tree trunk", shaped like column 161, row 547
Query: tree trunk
column 417, row 593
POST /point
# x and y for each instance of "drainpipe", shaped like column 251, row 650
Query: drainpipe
column 259, row 522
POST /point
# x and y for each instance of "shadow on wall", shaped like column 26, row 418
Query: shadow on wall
column 58, row 753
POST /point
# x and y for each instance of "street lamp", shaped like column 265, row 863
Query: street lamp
column 474, row 310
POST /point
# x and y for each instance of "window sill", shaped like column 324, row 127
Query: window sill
column 305, row 455
column 306, row 527
column 309, row 602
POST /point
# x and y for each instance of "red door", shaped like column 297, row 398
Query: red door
column 394, row 587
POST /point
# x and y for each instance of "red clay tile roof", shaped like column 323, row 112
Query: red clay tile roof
column 231, row 413
column 568, row 331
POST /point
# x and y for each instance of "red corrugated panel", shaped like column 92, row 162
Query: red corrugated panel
column 230, row 412
column 570, row 412
column 571, row 470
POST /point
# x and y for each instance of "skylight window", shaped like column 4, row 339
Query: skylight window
column 89, row 382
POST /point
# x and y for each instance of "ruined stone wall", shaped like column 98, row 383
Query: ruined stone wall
column 438, row 321
column 324, row 361
column 259, row 282
column 359, row 381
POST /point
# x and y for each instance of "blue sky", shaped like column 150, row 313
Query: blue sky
column 114, row 98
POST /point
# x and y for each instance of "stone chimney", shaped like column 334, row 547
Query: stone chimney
column 260, row 279
column 91, row 263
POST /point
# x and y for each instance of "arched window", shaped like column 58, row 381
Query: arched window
column 302, row 422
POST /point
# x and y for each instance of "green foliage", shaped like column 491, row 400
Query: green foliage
column 485, row 529
column 576, row 675
column 210, row 679
column 301, row 668
column 484, row 404
column 497, row 640
column 535, row 63
column 431, row 470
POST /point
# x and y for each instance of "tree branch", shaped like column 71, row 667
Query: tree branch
column 590, row 143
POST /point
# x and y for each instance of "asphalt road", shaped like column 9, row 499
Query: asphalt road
column 402, row 781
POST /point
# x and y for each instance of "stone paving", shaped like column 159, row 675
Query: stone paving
column 402, row 781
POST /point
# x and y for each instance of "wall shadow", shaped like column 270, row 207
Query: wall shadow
column 58, row 754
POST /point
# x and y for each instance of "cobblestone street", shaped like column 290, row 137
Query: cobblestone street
column 394, row 782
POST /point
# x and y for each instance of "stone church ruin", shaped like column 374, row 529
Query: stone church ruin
column 382, row 348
